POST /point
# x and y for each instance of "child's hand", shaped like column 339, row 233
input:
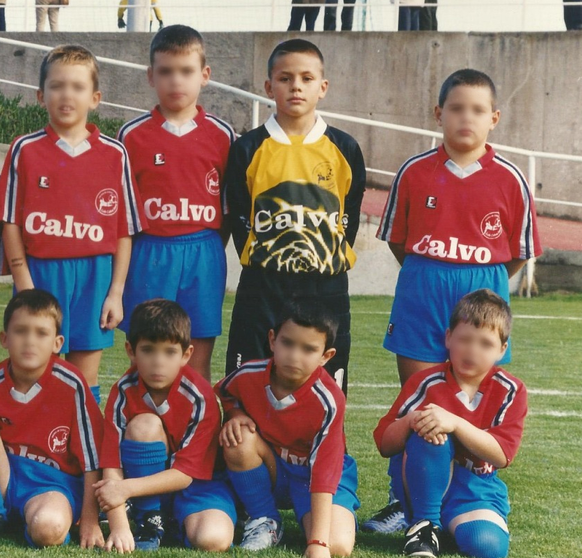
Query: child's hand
column 433, row 421
column 110, row 494
column 231, row 434
column 120, row 540
column 90, row 534
column 112, row 312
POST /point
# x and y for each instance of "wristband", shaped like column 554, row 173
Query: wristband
column 317, row 542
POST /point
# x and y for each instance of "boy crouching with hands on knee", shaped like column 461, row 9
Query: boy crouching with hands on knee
column 162, row 422
column 283, row 438
column 450, row 429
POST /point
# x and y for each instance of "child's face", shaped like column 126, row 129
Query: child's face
column 473, row 351
column 158, row 362
column 297, row 352
column 178, row 79
column 467, row 117
column 31, row 340
column 296, row 84
column 68, row 95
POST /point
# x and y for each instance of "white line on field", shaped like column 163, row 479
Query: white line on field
column 559, row 414
column 515, row 316
column 532, row 391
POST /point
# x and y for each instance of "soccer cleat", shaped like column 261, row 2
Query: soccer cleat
column 150, row 531
column 388, row 520
column 261, row 533
column 422, row 539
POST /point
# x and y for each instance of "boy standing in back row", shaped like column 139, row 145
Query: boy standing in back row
column 294, row 188
column 179, row 154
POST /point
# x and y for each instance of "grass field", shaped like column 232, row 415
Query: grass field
column 544, row 481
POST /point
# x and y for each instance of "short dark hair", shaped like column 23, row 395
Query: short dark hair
column 177, row 39
column 473, row 78
column 35, row 302
column 69, row 54
column 290, row 46
column 307, row 313
column 483, row 308
column 159, row 320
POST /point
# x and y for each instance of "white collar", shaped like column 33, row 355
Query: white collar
column 159, row 409
column 279, row 404
column 73, row 151
column 279, row 135
column 25, row 397
column 180, row 130
column 464, row 399
column 463, row 173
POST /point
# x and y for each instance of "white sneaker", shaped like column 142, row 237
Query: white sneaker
column 261, row 533
column 389, row 519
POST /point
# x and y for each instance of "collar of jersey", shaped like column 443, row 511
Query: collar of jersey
column 454, row 385
column 58, row 141
column 34, row 390
column 470, row 169
column 279, row 135
column 178, row 131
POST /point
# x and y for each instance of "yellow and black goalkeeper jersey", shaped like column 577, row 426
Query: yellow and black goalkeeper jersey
column 294, row 202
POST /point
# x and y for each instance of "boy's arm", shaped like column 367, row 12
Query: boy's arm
column 120, row 536
column 89, row 531
column 395, row 435
column 320, row 525
column 514, row 266
column 398, row 251
column 353, row 201
column 16, row 256
column 112, row 312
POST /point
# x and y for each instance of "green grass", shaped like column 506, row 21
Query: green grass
column 544, row 481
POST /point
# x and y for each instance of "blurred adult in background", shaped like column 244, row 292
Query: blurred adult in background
column 330, row 15
column 572, row 16
column 42, row 10
column 302, row 10
column 428, row 17
column 2, row 15
column 409, row 15
column 155, row 11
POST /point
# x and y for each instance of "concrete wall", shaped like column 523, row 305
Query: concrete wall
column 385, row 76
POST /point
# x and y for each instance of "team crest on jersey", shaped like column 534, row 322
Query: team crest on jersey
column 323, row 175
column 491, row 227
column 43, row 182
column 213, row 182
column 58, row 438
column 159, row 159
column 431, row 202
column 107, row 202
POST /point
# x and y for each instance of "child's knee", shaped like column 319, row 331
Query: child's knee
column 482, row 539
column 245, row 451
column 211, row 534
column 47, row 528
column 145, row 427
column 342, row 546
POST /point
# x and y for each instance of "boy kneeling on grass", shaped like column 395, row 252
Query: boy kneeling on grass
column 283, row 438
column 450, row 429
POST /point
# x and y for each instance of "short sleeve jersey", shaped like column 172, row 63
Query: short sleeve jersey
column 485, row 217
column 499, row 407
column 190, row 416
column 57, row 422
column 294, row 202
column 180, row 177
column 304, row 428
column 69, row 207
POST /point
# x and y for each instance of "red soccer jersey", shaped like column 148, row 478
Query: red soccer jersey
column 69, row 207
column 56, row 423
column 190, row 416
column 304, row 428
column 179, row 177
column 499, row 407
column 487, row 217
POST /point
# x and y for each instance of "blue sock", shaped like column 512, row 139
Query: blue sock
column 3, row 512
column 141, row 459
column 482, row 539
column 427, row 472
column 96, row 391
column 254, row 489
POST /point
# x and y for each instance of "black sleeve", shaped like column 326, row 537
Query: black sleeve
column 353, row 201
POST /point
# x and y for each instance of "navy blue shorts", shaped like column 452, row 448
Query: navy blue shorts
column 29, row 478
column 81, row 286
column 189, row 269
column 426, row 293
column 292, row 487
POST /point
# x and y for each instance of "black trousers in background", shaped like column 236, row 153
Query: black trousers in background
column 261, row 295
column 300, row 12
column 330, row 17
column 428, row 17
column 572, row 16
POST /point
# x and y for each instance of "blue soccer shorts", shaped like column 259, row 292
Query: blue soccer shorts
column 292, row 487
column 426, row 293
column 189, row 269
column 30, row 478
column 202, row 495
column 467, row 492
column 81, row 286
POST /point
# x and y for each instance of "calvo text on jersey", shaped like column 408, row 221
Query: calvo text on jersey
column 155, row 209
column 296, row 216
column 37, row 223
column 453, row 250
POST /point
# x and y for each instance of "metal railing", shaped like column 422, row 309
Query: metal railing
column 258, row 100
